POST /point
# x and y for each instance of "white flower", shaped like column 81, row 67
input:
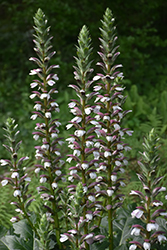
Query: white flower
column 3, row 162
column 63, row 237
column 135, row 231
column 44, row 95
column 122, row 184
column 106, row 154
column 51, row 82
column 37, row 170
column 118, row 163
column 32, row 96
column 85, row 189
column 152, row 226
column 45, row 146
column 97, row 88
column 14, row 175
column 17, row 193
column 163, row 214
column 77, row 119
column 110, row 192
column 34, row 71
column 48, row 115
column 119, row 147
column 89, row 217
column 71, row 104
column 106, row 118
column 129, row 132
column 58, row 172
column 69, row 159
column 102, row 167
column 88, row 236
column 91, row 198
column 36, row 137
column 13, row 219
column 76, row 152
column 162, row 189
column 71, row 178
column 85, row 165
column 96, row 78
column 54, row 104
column 79, row 133
column 92, row 175
column 166, row 197
column 54, row 185
column 97, row 188
column 27, row 179
column 146, row 245
column 109, row 138
column 96, row 155
column 47, row 164
column 133, row 192
column 33, row 84
column 105, row 99
column 97, row 109
column 37, row 106
column 113, row 177
column 133, row 247
column 89, row 144
column 157, row 203
column 33, row 117
column 88, row 111
column 73, row 171
column 54, row 135
column 137, row 213
column 161, row 238
column 4, row 182
column 68, row 126
column 43, row 180
column 117, row 127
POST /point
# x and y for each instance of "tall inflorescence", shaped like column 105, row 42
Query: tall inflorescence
column 85, row 155
column 46, row 107
column 19, row 179
column 109, row 114
column 147, row 231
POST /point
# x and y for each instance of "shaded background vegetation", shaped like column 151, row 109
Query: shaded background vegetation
column 141, row 28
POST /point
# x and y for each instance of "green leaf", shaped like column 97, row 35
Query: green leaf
column 122, row 225
column 3, row 231
column 23, row 229
column 15, row 243
column 3, row 246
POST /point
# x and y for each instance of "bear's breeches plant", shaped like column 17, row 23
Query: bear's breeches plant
column 80, row 191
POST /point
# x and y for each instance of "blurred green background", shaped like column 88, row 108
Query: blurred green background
column 141, row 28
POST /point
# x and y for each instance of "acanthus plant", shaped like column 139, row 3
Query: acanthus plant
column 19, row 179
column 148, row 233
column 85, row 154
column 109, row 114
column 50, row 166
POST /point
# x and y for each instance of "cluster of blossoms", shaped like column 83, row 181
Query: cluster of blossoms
column 48, row 153
column 19, row 179
column 109, row 114
column 82, row 142
column 151, row 208
column 98, row 150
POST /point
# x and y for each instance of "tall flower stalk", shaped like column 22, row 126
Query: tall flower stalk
column 109, row 114
column 19, row 179
column 47, row 129
column 151, row 207
column 85, row 155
